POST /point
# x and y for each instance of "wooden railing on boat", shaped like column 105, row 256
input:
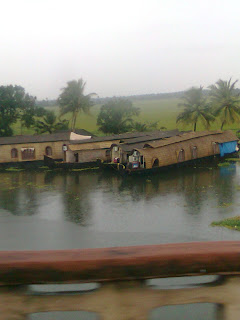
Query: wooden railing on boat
column 121, row 272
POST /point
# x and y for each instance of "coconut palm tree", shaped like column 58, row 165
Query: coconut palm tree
column 142, row 127
column 72, row 100
column 50, row 123
column 225, row 101
column 196, row 109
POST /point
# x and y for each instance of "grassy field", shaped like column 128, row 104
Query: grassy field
column 164, row 111
column 230, row 223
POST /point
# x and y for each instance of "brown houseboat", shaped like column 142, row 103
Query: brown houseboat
column 179, row 149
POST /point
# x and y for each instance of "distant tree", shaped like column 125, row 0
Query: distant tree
column 27, row 112
column 139, row 126
column 50, row 123
column 116, row 116
column 225, row 101
column 196, row 109
column 72, row 100
column 142, row 127
column 14, row 104
column 46, row 103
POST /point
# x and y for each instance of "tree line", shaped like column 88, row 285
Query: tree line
column 220, row 101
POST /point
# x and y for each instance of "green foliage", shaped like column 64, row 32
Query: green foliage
column 225, row 101
column 195, row 109
column 50, row 123
column 116, row 116
column 72, row 100
column 163, row 110
column 223, row 164
column 233, row 159
column 142, row 127
column 14, row 104
column 230, row 223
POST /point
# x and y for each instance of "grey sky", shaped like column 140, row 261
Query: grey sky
column 118, row 47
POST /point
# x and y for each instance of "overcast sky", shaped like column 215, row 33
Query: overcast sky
column 118, row 47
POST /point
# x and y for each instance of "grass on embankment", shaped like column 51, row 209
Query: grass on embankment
column 230, row 223
column 164, row 111
column 233, row 159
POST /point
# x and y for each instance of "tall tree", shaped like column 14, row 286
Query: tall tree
column 142, row 127
column 27, row 112
column 50, row 123
column 225, row 101
column 116, row 116
column 196, row 109
column 72, row 100
column 13, row 102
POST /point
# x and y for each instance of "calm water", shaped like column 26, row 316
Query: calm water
column 57, row 210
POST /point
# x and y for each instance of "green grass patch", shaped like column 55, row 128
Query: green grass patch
column 233, row 159
column 164, row 111
column 224, row 205
column 224, row 164
column 230, row 223
column 14, row 169
column 84, row 169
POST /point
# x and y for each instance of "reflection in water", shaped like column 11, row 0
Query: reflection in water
column 107, row 202
column 194, row 184
column 76, row 197
column 56, row 210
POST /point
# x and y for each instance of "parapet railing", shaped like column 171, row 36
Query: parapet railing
column 121, row 271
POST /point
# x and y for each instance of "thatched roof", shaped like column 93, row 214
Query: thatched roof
column 221, row 136
column 129, row 136
column 140, row 142
column 58, row 136
column 126, row 140
column 91, row 146
column 167, row 150
column 151, row 136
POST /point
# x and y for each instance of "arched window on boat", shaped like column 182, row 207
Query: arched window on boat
column 181, row 155
column 14, row 153
column 48, row 151
column 215, row 148
column 155, row 163
column 194, row 152
column 76, row 157
column 108, row 155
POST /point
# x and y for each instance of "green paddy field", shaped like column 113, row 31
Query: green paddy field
column 164, row 111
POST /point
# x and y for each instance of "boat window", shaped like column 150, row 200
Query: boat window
column 155, row 163
column 28, row 153
column 108, row 155
column 76, row 157
column 14, row 153
column 181, row 155
column 194, row 152
column 48, row 151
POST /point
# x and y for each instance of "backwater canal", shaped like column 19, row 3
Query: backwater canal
column 63, row 210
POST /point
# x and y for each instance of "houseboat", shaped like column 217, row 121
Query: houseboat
column 95, row 151
column 30, row 150
column 181, row 149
